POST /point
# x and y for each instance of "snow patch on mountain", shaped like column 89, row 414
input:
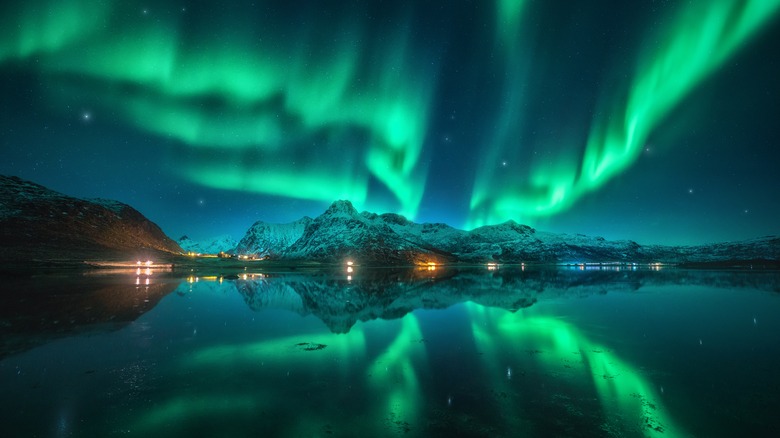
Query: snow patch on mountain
column 266, row 239
column 213, row 245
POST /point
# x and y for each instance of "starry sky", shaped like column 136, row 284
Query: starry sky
column 656, row 121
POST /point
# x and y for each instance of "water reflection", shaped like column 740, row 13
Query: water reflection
column 387, row 352
column 340, row 301
column 37, row 310
column 51, row 306
column 560, row 348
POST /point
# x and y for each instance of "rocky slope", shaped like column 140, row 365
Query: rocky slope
column 271, row 240
column 41, row 224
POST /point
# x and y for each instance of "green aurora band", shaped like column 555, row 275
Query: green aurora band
column 623, row 390
column 339, row 95
column 384, row 362
column 341, row 107
column 392, row 377
column 512, row 44
column 395, row 375
column 701, row 38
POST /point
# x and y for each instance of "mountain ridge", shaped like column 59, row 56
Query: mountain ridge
column 37, row 223
column 342, row 233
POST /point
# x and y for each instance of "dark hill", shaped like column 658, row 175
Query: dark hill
column 40, row 224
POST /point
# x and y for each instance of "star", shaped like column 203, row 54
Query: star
column 504, row 163
column 86, row 116
column 690, row 191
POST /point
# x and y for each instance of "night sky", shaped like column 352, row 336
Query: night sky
column 657, row 121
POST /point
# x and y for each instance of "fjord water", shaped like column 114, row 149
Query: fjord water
column 390, row 352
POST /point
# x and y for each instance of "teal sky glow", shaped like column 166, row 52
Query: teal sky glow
column 547, row 114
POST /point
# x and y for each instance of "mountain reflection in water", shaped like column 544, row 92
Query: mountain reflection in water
column 340, row 300
column 36, row 310
column 383, row 352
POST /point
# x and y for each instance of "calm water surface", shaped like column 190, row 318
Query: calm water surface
column 392, row 353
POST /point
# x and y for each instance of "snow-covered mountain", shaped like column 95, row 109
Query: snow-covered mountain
column 271, row 240
column 214, row 245
column 341, row 233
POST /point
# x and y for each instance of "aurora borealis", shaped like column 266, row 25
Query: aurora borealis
column 653, row 122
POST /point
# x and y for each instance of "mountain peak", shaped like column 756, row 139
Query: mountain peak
column 341, row 208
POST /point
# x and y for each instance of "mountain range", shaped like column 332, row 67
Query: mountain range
column 40, row 224
column 342, row 233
